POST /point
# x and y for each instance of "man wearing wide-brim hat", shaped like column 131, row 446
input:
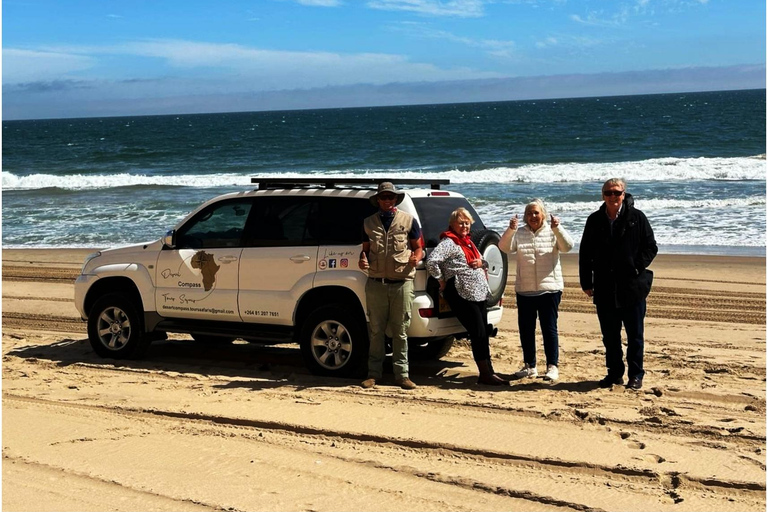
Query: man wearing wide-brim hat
column 391, row 251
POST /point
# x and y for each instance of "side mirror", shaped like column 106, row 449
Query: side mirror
column 169, row 240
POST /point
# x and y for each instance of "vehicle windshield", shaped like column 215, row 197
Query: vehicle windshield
column 434, row 213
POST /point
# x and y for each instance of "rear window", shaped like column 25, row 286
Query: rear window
column 434, row 213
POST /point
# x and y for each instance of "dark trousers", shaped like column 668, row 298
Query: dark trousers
column 544, row 306
column 611, row 319
column 474, row 317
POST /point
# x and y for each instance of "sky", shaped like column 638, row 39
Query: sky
column 80, row 58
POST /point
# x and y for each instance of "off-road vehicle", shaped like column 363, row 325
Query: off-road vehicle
column 273, row 265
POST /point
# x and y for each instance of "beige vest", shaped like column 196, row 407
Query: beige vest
column 390, row 249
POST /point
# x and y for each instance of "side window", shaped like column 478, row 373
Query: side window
column 219, row 225
column 341, row 220
column 281, row 221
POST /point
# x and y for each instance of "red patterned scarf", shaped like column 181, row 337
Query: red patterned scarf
column 465, row 242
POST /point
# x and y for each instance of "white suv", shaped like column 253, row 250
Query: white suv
column 271, row 265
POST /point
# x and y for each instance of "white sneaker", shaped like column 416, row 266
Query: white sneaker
column 552, row 373
column 526, row 371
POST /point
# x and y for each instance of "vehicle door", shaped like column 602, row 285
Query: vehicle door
column 279, row 259
column 198, row 277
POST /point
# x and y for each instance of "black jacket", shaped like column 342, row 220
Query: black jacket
column 614, row 264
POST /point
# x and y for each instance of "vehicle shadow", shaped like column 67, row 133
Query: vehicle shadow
column 274, row 365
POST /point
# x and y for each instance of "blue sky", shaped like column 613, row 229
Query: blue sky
column 106, row 57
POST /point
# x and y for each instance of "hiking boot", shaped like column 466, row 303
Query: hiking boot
column 635, row 383
column 406, row 383
column 526, row 371
column 368, row 383
column 552, row 373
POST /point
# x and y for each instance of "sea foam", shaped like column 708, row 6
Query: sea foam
column 654, row 170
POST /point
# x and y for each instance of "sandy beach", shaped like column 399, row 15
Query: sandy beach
column 246, row 427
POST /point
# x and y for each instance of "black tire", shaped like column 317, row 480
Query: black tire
column 487, row 242
column 429, row 348
column 334, row 341
column 208, row 338
column 116, row 329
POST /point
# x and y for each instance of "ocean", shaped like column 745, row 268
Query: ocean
column 695, row 163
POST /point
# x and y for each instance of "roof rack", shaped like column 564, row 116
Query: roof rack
column 265, row 183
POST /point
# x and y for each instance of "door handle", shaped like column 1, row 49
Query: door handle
column 300, row 258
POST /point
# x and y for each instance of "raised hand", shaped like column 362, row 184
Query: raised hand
column 555, row 221
column 513, row 223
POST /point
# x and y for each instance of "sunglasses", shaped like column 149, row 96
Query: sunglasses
column 615, row 193
column 387, row 197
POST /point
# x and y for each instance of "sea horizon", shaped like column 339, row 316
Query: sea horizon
column 397, row 105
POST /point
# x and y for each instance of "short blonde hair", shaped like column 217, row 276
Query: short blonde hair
column 540, row 204
column 460, row 212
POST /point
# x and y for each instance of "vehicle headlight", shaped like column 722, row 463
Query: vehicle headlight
column 88, row 259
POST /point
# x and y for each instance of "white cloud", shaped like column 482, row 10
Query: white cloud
column 247, row 68
column 567, row 41
column 547, row 42
column 21, row 66
column 495, row 47
column 320, row 3
column 600, row 19
column 458, row 8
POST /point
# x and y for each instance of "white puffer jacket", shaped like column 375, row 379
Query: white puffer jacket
column 538, row 256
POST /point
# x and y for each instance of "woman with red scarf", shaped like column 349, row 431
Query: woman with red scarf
column 460, row 269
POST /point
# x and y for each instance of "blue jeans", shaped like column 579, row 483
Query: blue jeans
column 389, row 306
column 611, row 319
column 544, row 306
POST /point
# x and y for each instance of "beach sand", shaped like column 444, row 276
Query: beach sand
column 246, row 427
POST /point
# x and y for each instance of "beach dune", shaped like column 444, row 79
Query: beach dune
column 246, row 427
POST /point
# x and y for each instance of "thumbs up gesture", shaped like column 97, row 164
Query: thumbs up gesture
column 363, row 262
column 554, row 220
column 513, row 223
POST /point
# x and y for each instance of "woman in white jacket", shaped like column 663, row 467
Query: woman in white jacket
column 538, row 283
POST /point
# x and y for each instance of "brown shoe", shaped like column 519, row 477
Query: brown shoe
column 368, row 383
column 406, row 383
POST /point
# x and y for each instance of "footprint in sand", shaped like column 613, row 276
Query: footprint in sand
column 635, row 445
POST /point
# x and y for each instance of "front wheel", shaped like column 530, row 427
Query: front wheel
column 115, row 328
column 333, row 341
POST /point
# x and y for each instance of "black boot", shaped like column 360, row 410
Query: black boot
column 487, row 375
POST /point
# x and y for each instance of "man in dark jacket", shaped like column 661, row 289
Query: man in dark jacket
column 616, row 248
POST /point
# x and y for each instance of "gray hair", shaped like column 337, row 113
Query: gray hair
column 538, row 203
column 615, row 181
column 460, row 212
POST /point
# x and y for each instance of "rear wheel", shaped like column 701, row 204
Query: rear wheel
column 115, row 328
column 487, row 242
column 333, row 341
